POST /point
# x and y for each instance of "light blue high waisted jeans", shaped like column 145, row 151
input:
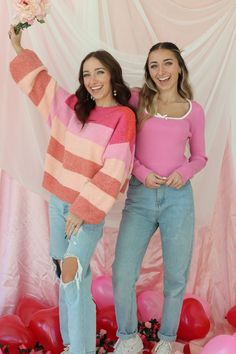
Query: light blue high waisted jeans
column 145, row 210
column 76, row 307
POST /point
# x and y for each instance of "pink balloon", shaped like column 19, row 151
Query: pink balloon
column 26, row 307
column 222, row 344
column 102, row 291
column 205, row 304
column 14, row 332
column 150, row 304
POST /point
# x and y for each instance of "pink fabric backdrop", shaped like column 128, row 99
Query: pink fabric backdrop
column 206, row 29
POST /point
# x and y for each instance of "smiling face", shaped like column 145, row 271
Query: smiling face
column 97, row 81
column 164, row 69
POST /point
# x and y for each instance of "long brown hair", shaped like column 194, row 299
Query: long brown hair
column 85, row 104
column 149, row 92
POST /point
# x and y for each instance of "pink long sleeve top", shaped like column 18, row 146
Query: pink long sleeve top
column 85, row 166
column 162, row 140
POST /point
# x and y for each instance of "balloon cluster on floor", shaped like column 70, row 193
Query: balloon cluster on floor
column 33, row 322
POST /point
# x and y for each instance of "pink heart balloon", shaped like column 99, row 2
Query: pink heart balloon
column 13, row 331
column 102, row 291
column 26, row 307
column 45, row 325
column 150, row 304
column 222, row 344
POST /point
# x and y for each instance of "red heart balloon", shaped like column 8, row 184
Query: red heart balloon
column 194, row 323
column 26, row 307
column 45, row 325
column 14, row 332
column 106, row 319
column 231, row 316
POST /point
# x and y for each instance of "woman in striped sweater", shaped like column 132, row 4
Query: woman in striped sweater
column 88, row 163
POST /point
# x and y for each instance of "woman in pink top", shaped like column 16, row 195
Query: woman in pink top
column 159, row 194
column 88, row 163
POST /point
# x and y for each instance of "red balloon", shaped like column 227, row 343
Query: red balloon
column 12, row 349
column 45, row 325
column 106, row 319
column 102, row 291
column 14, row 332
column 148, row 346
column 231, row 316
column 187, row 349
column 26, row 307
column 194, row 323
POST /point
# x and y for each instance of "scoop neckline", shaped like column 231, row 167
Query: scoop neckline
column 165, row 116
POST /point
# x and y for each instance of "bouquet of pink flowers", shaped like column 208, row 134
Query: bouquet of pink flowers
column 27, row 11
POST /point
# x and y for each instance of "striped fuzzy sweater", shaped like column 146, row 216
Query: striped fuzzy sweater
column 85, row 166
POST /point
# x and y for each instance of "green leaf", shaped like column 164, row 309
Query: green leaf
column 20, row 26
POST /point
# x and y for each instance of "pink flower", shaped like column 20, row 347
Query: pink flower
column 102, row 332
column 101, row 350
column 29, row 10
column 148, row 325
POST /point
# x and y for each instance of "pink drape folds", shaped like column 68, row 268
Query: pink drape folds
column 24, row 246
column 205, row 31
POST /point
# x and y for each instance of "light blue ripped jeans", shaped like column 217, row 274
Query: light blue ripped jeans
column 145, row 210
column 76, row 306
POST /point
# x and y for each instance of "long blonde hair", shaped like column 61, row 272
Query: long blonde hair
column 149, row 92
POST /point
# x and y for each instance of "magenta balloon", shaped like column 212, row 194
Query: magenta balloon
column 102, row 291
column 150, row 304
column 222, row 344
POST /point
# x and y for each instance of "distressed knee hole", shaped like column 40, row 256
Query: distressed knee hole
column 71, row 269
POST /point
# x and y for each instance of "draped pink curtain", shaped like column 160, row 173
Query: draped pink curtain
column 205, row 30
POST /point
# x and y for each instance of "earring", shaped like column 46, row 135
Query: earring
column 114, row 93
column 92, row 98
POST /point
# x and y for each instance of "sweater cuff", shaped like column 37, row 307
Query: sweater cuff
column 184, row 173
column 141, row 173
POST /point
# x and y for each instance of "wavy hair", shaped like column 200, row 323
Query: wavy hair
column 85, row 104
column 149, row 92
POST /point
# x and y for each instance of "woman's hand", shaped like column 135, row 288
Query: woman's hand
column 73, row 224
column 154, row 181
column 15, row 39
column 175, row 180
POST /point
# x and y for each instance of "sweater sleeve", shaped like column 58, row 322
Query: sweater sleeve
column 99, row 194
column 140, row 171
column 198, row 159
column 33, row 79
